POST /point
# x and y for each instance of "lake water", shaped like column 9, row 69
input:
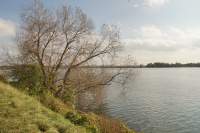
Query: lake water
column 157, row 100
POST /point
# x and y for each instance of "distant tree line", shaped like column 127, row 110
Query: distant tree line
column 149, row 65
column 163, row 65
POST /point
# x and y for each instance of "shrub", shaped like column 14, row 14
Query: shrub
column 54, row 103
column 77, row 119
column 3, row 78
column 68, row 95
column 28, row 78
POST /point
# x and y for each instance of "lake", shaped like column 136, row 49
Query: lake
column 157, row 100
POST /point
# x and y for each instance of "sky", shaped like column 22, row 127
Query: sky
column 151, row 30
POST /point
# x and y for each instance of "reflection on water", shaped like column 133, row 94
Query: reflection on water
column 92, row 100
column 163, row 100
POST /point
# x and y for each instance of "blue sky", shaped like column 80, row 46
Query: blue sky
column 151, row 30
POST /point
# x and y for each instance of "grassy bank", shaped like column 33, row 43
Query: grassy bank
column 20, row 113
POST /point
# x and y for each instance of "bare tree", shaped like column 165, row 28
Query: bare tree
column 62, row 43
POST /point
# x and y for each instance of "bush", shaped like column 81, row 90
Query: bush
column 28, row 78
column 82, row 120
column 77, row 119
column 54, row 103
column 68, row 96
column 3, row 78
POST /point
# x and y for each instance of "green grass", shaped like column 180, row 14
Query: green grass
column 20, row 113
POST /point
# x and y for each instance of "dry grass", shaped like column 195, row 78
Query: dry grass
column 108, row 125
column 112, row 126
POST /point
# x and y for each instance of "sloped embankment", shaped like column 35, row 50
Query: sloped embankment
column 20, row 113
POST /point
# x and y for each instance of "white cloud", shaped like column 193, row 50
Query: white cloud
column 7, row 33
column 155, row 3
column 7, row 28
column 167, row 44
column 153, row 38
column 149, row 3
